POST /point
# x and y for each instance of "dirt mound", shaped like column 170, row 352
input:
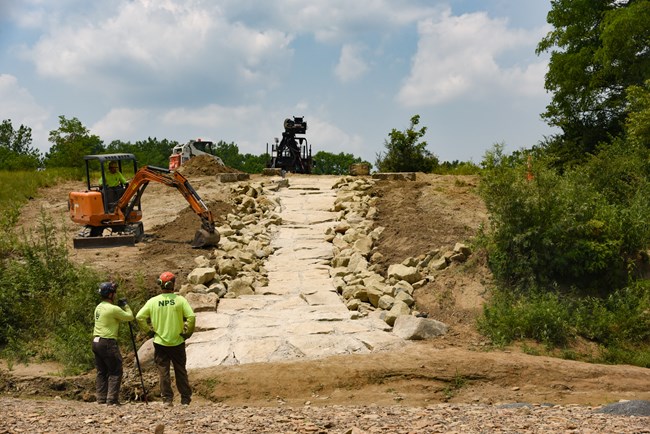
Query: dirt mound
column 204, row 165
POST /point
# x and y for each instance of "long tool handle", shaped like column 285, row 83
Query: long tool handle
column 137, row 362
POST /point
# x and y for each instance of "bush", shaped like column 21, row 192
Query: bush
column 566, row 250
column 46, row 301
column 405, row 153
column 559, row 230
column 541, row 316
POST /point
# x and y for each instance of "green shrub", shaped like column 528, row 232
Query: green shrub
column 560, row 230
column 619, row 322
column 457, row 168
column 46, row 301
column 543, row 317
column 623, row 317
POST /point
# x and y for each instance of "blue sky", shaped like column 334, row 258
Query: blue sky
column 233, row 70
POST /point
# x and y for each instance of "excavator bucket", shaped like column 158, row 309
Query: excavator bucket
column 203, row 238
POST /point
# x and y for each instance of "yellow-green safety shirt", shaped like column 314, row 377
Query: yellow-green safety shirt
column 108, row 318
column 170, row 315
column 113, row 179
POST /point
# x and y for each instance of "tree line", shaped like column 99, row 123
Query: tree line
column 72, row 140
column 405, row 151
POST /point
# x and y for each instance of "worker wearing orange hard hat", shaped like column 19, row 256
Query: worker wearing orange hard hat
column 169, row 319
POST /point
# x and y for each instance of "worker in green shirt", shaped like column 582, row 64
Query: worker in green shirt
column 172, row 323
column 108, row 359
column 114, row 177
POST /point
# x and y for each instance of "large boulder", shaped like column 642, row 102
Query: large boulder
column 402, row 272
column 202, row 275
column 414, row 328
column 399, row 309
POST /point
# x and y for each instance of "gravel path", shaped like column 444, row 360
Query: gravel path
column 59, row 416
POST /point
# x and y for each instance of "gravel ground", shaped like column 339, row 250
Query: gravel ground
column 60, row 416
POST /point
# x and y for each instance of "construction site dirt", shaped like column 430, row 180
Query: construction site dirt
column 462, row 366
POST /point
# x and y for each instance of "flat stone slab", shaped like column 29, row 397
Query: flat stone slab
column 321, row 298
column 211, row 320
column 316, row 346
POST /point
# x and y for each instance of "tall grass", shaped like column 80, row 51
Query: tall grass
column 46, row 300
column 619, row 325
column 20, row 186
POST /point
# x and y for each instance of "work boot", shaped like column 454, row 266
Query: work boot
column 113, row 403
column 113, row 394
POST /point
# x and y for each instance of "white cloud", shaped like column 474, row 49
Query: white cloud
column 329, row 21
column 351, row 65
column 144, row 43
column 331, row 138
column 459, row 56
column 212, row 116
column 119, row 122
column 17, row 104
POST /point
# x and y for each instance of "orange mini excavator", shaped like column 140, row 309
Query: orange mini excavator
column 117, row 209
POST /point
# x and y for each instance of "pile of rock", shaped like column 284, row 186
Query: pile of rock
column 355, row 270
column 236, row 267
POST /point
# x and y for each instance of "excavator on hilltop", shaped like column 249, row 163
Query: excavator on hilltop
column 117, row 209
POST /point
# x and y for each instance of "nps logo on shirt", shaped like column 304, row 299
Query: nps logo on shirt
column 163, row 303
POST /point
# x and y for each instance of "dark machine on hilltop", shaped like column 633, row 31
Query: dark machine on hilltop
column 292, row 153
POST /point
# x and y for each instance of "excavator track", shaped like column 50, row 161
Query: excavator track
column 107, row 241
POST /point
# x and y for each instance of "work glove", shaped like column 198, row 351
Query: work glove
column 186, row 336
column 151, row 334
column 121, row 302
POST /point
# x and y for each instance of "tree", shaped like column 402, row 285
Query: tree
column 598, row 49
column 229, row 154
column 326, row 163
column 254, row 163
column 637, row 125
column 151, row 152
column 16, row 151
column 405, row 153
column 70, row 143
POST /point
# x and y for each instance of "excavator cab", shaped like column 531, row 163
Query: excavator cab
column 104, row 206
column 126, row 165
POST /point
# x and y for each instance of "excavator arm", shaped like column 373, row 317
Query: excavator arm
column 207, row 235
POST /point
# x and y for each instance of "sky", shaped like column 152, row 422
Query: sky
column 234, row 70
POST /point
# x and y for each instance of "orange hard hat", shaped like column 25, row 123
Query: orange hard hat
column 167, row 277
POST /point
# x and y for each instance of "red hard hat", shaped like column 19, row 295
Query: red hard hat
column 167, row 277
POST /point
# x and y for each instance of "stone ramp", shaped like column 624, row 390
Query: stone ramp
column 299, row 314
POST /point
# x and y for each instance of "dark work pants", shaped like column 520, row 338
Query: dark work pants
column 163, row 357
column 108, row 361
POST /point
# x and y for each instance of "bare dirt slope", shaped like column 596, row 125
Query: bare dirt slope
column 431, row 213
